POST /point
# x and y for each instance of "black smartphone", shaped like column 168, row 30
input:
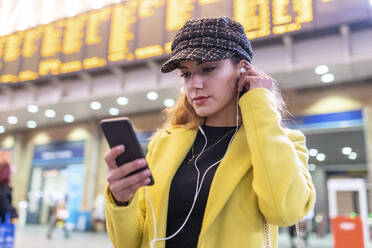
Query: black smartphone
column 119, row 131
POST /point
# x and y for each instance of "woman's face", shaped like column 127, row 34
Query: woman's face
column 210, row 87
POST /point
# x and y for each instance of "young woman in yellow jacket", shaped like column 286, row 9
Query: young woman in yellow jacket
column 227, row 171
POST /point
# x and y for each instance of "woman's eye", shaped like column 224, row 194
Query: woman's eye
column 185, row 74
column 208, row 69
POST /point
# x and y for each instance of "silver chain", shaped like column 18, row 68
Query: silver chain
column 218, row 141
column 268, row 239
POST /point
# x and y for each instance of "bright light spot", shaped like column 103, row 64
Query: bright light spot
column 8, row 142
column 182, row 89
column 321, row 69
column 353, row 155
column 12, row 120
column 97, row 4
column 78, row 134
column 370, row 2
column 95, row 105
column 69, row 118
column 31, row 124
column 346, row 150
column 313, row 152
column 327, row 78
column 42, row 138
column 24, row 17
column 50, row 113
column 122, row 100
column 114, row 111
column 71, row 7
column 169, row 102
column 32, row 108
column 152, row 95
column 312, row 167
column 2, row 129
column 47, row 11
column 320, row 157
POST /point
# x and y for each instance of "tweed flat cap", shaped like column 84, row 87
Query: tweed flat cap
column 209, row 39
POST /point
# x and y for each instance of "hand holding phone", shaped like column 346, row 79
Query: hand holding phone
column 126, row 162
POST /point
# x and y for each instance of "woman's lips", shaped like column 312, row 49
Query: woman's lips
column 200, row 100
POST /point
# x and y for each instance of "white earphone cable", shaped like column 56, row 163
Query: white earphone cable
column 198, row 188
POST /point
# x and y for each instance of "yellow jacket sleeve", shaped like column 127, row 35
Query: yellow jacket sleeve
column 281, row 179
column 125, row 224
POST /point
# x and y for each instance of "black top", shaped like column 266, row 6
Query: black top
column 183, row 186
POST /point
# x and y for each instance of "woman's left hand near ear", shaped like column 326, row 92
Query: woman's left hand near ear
column 255, row 78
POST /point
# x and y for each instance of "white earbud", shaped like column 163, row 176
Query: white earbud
column 242, row 69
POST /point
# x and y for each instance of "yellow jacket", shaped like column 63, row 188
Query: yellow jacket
column 264, row 175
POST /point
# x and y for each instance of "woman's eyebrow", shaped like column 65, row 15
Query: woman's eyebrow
column 207, row 62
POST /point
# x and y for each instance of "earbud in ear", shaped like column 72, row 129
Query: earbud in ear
column 242, row 69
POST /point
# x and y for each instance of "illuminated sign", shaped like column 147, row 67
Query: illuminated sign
column 121, row 44
column 96, row 38
column 142, row 29
column 30, row 54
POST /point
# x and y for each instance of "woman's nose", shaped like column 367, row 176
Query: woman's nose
column 196, row 81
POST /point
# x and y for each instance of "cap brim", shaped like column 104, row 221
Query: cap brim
column 195, row 54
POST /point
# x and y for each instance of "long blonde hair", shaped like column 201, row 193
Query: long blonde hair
column 182, row 114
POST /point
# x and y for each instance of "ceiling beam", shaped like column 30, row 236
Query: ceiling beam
column 117, row 71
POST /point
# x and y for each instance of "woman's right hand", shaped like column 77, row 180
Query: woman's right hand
column 121, row 186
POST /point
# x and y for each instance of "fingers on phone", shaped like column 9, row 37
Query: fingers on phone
column 129, row 185
column 127, row 194
column 140, row 178
column 136, row 186
column 131, row 167
column 111, row 155
column 124, row 170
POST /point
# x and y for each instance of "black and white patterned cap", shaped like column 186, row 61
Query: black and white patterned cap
column 207, row 40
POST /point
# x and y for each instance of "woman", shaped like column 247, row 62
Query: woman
column 7, row 211
column 221, row 172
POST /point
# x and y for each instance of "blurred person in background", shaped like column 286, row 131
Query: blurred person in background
column 58, row 218
column 6, row 208
column 305, row 228
column 224, row 176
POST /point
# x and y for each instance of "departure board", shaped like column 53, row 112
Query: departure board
column 96, row 38
column 143, row 29
column 11, row 57
column 150, row 14
column 50, row 61
column 72, row 44
column 211, row 8
column 122, row 33
column 177, row 13
column 333, row 12
column 30, row 54
column 2, row 42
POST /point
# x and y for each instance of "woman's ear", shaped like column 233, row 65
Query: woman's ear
column 242, row 66
column 243, row 63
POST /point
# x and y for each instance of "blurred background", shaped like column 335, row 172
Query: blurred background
column 67, row 64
